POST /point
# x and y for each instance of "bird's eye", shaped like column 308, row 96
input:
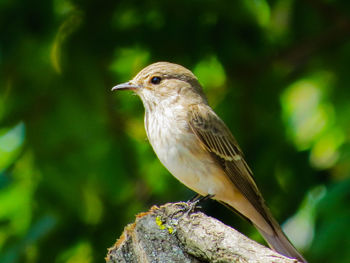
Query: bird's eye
column 155, row 80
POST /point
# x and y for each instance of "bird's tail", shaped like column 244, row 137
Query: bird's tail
column 279, row 242
column 275, row 237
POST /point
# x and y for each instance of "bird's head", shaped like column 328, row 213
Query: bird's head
column 165, row 82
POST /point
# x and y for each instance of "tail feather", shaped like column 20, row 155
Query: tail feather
column 279, row 242
column 276, row 239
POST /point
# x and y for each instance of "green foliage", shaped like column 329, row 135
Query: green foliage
column 75, row 165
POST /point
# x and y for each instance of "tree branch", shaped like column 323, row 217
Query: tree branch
column 168, row 234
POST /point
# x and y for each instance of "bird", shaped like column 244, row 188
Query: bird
column 197, row 147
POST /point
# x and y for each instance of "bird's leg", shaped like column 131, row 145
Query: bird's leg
column 193, row 203
column 199, row 198
column 194, row 198
column 189, row 206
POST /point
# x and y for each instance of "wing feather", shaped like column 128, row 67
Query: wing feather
column 219, row 141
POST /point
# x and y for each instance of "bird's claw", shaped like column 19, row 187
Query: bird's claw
column 193, row 203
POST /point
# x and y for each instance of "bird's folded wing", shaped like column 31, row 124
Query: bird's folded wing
column 219, row 141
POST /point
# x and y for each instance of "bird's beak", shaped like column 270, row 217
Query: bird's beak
column 126, row 86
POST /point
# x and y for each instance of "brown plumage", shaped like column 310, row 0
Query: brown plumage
column 196, row 146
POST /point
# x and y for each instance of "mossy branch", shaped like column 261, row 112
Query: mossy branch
column 167, row 234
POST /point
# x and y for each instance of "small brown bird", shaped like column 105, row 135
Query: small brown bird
column 196, row 146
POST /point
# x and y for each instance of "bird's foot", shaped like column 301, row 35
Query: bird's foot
column 193, row 203
column 190, row 206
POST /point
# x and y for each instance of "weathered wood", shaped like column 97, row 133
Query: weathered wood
column 169, row 234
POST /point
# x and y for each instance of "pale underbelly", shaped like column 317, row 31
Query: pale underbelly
column 196, row 169
column 203, row 175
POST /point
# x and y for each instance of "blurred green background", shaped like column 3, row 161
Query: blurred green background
column 75, row 165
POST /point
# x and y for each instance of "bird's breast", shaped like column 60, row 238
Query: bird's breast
column 169, row 136
column 180, row 151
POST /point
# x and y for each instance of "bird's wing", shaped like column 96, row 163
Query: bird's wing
column 219, row 141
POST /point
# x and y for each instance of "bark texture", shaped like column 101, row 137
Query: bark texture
column 170, row 234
